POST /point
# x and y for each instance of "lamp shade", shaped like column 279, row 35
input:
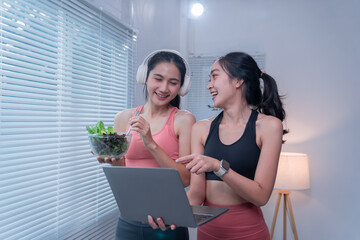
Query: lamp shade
column 293, row 172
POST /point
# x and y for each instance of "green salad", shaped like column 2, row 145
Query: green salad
column 107, row 143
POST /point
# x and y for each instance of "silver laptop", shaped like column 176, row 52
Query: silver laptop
column 158, row 192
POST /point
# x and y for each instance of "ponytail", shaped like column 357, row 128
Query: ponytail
column 271, row 103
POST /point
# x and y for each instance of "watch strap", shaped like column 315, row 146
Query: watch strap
column 221, row 171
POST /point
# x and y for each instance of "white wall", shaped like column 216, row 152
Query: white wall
column 312, row 50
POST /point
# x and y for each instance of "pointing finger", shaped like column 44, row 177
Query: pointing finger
column 185, row 159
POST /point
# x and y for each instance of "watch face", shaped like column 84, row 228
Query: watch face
column 225, row 164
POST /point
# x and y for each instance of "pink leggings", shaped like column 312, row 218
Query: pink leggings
column 244, row 221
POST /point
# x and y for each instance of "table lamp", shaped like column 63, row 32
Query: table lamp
column 292, row 174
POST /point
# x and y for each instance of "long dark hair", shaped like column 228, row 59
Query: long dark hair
column 170, row 58
column 242, row 66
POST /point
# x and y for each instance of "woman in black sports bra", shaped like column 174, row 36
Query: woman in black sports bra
column 235, row 154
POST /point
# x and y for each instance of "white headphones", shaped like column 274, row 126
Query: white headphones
column 142, row 71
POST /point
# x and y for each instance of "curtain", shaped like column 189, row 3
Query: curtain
column 64, row 65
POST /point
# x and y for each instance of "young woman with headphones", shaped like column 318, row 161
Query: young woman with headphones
column 161, row 132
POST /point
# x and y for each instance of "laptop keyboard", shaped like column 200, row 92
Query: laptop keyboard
column 201, row 217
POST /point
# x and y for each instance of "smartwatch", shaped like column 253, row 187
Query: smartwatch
column 224, row 168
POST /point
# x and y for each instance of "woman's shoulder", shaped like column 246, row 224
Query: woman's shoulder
column 204, row 124
column 127, row 113
column 269, row 123
column 183, row 122
column 121, row 119
column 184, row 116
column 201, row 128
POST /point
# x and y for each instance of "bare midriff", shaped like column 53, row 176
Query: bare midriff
column 218, row 192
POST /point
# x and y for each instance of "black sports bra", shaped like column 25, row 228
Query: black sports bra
column 243, row 155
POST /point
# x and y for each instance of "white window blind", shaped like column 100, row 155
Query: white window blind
column 199, row 99
column 64, row 65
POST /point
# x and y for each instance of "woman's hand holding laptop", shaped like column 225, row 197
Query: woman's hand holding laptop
column 159, row 224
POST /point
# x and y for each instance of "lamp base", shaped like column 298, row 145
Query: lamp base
column 287, row 208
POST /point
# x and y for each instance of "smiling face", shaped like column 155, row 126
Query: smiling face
column 221, row 87
column 163, row 83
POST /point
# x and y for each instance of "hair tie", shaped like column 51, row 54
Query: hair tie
column 261, row 74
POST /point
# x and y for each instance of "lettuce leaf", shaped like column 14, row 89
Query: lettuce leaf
column 100, row 129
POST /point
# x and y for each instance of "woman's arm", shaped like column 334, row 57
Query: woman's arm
column 197, row 191
column 183, row 124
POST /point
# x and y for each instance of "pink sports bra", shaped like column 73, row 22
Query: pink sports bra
column 139, row 156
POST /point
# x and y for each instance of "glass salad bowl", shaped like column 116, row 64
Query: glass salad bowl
column 113, row 145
